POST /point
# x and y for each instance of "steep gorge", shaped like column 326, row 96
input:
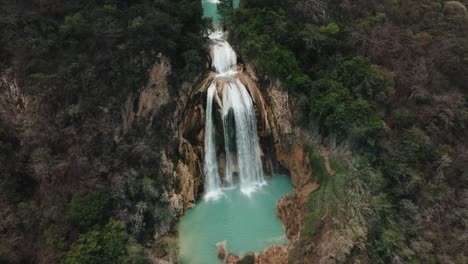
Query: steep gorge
column 280, row 149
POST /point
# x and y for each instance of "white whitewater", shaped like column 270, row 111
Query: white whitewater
column 239, row 119
column 212, row 181
column 224, row 59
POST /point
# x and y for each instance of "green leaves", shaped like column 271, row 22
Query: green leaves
column 87, row 210
column 99, row 245
column 136, row 23
column 341, row 99
column 75, row 25
column 226, row 11
column 331, row 28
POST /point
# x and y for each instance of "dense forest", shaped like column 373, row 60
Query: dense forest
column 69, row 191
column 386, row 80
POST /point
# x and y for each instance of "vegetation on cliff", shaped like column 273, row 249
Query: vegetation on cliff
column 388, row 78
column 74, row 186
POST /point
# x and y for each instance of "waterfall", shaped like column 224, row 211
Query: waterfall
column 242, row 150
column 212, row 181
column 224, row 60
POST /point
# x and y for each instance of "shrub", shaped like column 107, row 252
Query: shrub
column 89, row 209
column 99, row 245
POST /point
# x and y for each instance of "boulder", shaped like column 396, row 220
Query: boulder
column 222, row 252
column 248, row 258
column 274, row 254
column 232, row 259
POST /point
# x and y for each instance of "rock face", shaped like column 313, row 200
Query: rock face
column 291, row 209
column 156, row 92
column 248, row 258
column 232, row 259
column 189, row 169
column 281, row 149
column 289, row 147
column 13, row 101
column 297, row 162
column 275, row 254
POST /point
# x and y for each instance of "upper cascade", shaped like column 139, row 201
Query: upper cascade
column 243, row 163
column 224, row 59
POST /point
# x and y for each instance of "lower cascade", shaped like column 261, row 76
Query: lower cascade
column 242, row 150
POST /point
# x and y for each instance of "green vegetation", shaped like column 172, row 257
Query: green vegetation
column 226, row 12
column 106, row 245
column 65, row 168
column 324, row 201
column 85, row 55
column 88, row 209
column 389, row 78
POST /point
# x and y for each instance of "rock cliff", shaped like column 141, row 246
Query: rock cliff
column 281, row 149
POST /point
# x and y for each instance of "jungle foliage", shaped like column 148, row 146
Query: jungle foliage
column 70, row 191
column 388, row 78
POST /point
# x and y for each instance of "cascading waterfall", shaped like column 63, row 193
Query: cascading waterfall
column 231, row 210
column 212, row 181
column 242, row 150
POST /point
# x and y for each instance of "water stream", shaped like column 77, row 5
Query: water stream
column 242, row 150
column 210, row 9
column 239, row 207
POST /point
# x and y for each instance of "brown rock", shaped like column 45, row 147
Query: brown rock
column 292, row 208
column 189, row 171
column 156, row 92
column 288, row 142
column 274, row 255
column 186, row 184
column 232, row 259
column 297, row 162
column 193, row 122
column 248, row 258
column 221, row 250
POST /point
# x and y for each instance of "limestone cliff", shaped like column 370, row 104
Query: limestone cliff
column 281, row 149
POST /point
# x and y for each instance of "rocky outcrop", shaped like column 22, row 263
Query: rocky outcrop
column 232, row 259
column 152, row 97
column 222, row 252
column 291, row 209
column 296, row 160
column 13, row 102
column 156, row 92
column 189, row 171
column 248, row 258
column 289, row 146
column 275, row 254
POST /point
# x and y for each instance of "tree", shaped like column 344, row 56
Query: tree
column 100, row 245
column 226, row 11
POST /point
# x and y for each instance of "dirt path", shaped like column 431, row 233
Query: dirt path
column 325, row 155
